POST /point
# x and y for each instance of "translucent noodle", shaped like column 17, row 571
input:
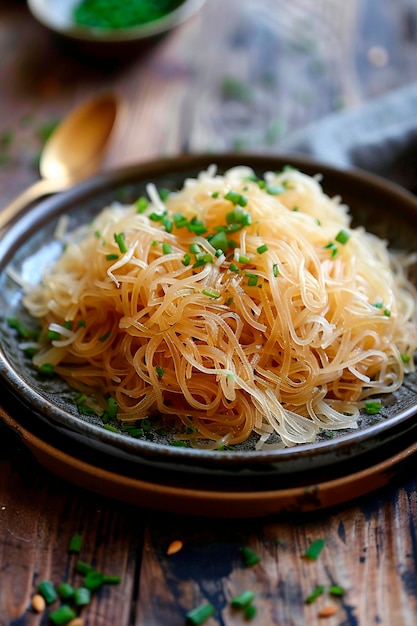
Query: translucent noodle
column 280, row 329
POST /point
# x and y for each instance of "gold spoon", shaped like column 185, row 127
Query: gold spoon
column 73, row 152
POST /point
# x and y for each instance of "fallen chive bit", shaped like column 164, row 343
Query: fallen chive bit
column 63, row 615
column 75, row 543
column 373, row 406
column 336, row 590
column 200, row 614
column 82, row 596
column 65, row 591
column 243, row 599
column 120, row 240
column 317, row 591
column 48, row 591
column 250, row 611
column 342, row 236
column 314, row 549
column 83, row 568
column 249, row 557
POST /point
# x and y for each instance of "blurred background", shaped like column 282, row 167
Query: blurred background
column 239, row 75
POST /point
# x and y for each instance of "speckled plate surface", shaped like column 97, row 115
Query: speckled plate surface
column 48, row 407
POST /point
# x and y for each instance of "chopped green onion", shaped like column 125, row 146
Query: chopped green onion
column 67, row 324
column 105, row 336
column 166, row 248
column 48, row 591
column 112, row 407
column 141, row 204
column 16, row 324
column 110, row 428
column 164, row 193
column 112, row 257
column 262, row 249
column 65, row 591
column 250, row 611
column 236, row 198
column 159, row 371
column 233, row 267
column 85, row 409
column 378, row 305
column 196, row 226
column 179, row 444
column 194, row 248
column 249, row 557
column 215, row 194
column 82, row 596
column 275, row 190
column 373, row 406
column 83, row 568
column 252, row 280
column 342, row 236
column 167, row 223
column 314, row 549
column 52, row 335
column 63, row 615
column 81, row 324
column 186, row 259
column 120, row 240
column 200, row 614
column 275, row 270
column 93, row 580
column 242, row 258
column 211, row 293
column 405, row 358
column 219, row 241
column 387, row 313
column 179, row 220
column 47, row 369
column 317, row 591
column 336, row 590
column 113, row 580
column 75, row 543
column 243, row 599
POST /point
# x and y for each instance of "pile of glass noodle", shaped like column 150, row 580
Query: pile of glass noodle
column 236, row 307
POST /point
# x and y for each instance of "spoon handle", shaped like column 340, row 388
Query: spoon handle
column 41, row 188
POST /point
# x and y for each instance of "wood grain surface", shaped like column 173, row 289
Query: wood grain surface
column 240, row 75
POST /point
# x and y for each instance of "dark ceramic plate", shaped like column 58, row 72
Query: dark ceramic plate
column 28, row 243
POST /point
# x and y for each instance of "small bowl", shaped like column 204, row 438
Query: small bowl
column 56, row 16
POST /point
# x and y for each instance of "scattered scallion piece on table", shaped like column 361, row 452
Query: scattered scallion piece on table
column 336, row 590
column 249, row 557
column 48, row 591
column 243, row 599
column 199, row 614
column 62, row 615
column 313, row 551
column 75, row 543
column 317, row 591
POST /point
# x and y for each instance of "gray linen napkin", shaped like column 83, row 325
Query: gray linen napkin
column 379, row 136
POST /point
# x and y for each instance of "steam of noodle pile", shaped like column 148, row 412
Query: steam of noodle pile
column 241, row 306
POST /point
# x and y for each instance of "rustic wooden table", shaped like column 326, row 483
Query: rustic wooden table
column 239, row 76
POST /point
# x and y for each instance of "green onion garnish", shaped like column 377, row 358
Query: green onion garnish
column 262, row 249
column 105, row 336
column 110, row 428
column 63, row 615
column 373, row 406
column 83, row 568
column 120, row 240
column 112, row 257
column 159, row 371
column 335, row 590
column 275, row 270
column 75, row 543
column 65, row 591
column 211, row 293
column 275, row 190
column 215, row 194
column 233, row 267
column 186, row 259
column 47, row 369
column 249, row 557
column 93, row 580
column 314, row 549
column 179, row 220
column 164, row 193
column 219, row 241
column 141, row 204
column 242, row 258
column 236, row 198
column 252, row 280
column 194, row 248
column 317, row 591
column 342, row 236
column 243, row 599
column 200, row 614
column 166, row 248
column 82, row 596
column 48, row 591
column 167, row 223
